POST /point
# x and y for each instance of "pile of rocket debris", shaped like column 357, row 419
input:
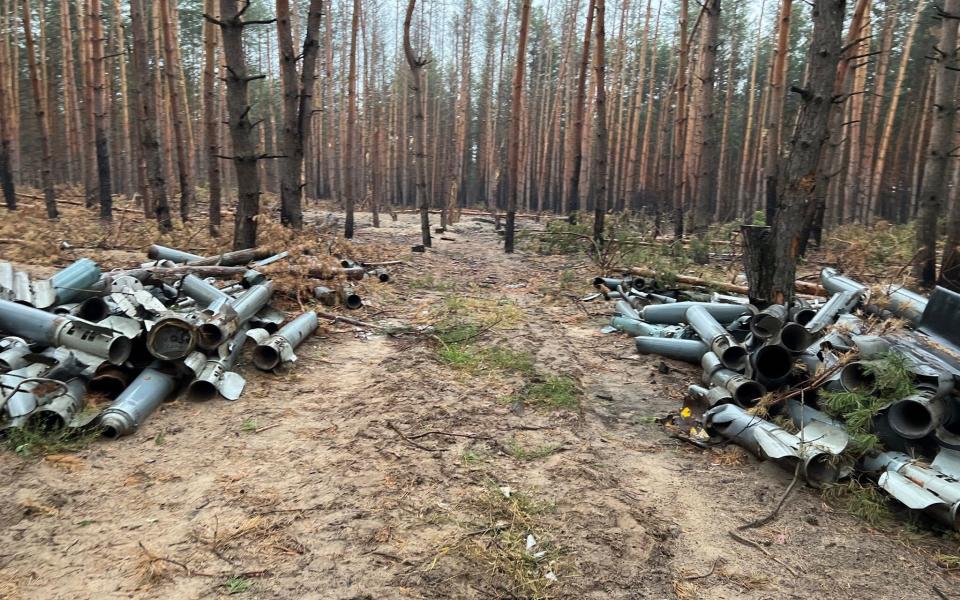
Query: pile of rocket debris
column 769, row 366
column 142, row 336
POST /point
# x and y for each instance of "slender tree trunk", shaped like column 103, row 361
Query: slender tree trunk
column 709, row 162
column 351, row 122
column 876, row 106
column 99, row 83
column 796, row 203
column 933, row 193
column 419, row 126
column 680, row 124
column 888, row 126
column 645, row 176
column 245, row 153
column 211, row 119
column 601, row 151
column 124, row 177
column 177, row 116
column 6, row 135
column 723, row 200
column 144, row 81
column 573, row 163
column 743, row 204
column 516, row 117
column 36, row 86
column 778, row 77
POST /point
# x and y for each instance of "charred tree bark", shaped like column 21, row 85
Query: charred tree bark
column 796, row 194
column 416, row 64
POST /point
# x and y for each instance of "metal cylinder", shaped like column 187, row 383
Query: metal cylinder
column 852, row 377
column 14, row 350
column 732, row 354
column 744, row 391
column 75, row 281
column 59, row 330
column 350, row 298
column 834, row 282
column 794, row 337
column 212, row 375
column 686, row 350
column 771, row 364
column 325, row 295
column 172, row 337
column 156, row 252
column 801, row 314
column 635, row 327
column 94, row 309
column 201, row 290
column 871, row 346
column 18, row 399
column 918, row 415
column 624, row 308
column 279, row 347
column 110, row 380
column 59, row 408
column 905, row 304
column 840, row 302
column 671, row 314
column 769, row 321
column 609, row 282
column 137, row 402
column 227, row 320
column 916, row 486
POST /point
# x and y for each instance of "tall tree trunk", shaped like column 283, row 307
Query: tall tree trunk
column 36, row 86
column 97, row 41
column 297, row 107
column 778, row 77
column 89, row 120
column 888, row 126
column 876, row 106
column 743, row 203
column 124, row 177
column 245, row 152
column 573, row 163
column 416, row 64
column 933, row 192
column 680, row 124
column 211, row 120
column 349, row 187
column 600, row 152
column 723, row 201
column 516, row 117
column 779, row 248
column 6, row 133
column 709, row 163
column 144, row 81
column 177, row 116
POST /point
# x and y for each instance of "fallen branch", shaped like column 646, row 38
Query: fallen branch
column 801, row 286
column 472, row 436
column 713, row 570
column 411, row 442
column 206, row 271
column 765, row 552
column 776, row 511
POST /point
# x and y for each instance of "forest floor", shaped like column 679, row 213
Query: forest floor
column 513, row 453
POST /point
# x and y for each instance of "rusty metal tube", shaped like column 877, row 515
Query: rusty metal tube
column 59, row 408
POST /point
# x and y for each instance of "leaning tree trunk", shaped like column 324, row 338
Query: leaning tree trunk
column 419, row 126
column 245, row 152
column 934, row 189
column 46, row 165
column 516, row 117
column 100, row 125
column 796, row 192
column 600, row 151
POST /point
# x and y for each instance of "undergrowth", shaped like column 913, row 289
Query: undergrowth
column 30, row 442
column 551, row 392
column 865, row 502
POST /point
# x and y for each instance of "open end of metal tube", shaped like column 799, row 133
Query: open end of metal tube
column 749, row 393
column 597, row 281
column 108, row 385
column 119, row 350
column 795, row 337
column 93, row 310
column 910, row 419
column 210, row 336
column 46, row 421
column 734, row 357
column 266, row 358
column 773, row 362
column 346, row 264
column 352, row 301
column 384, row 277
column 854, row 377
column 764, row 325
column 803, row 316
column 820, row 470
column 201, row 390
column 111, row 429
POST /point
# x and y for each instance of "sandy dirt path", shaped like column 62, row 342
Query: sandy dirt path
column 377, row 468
